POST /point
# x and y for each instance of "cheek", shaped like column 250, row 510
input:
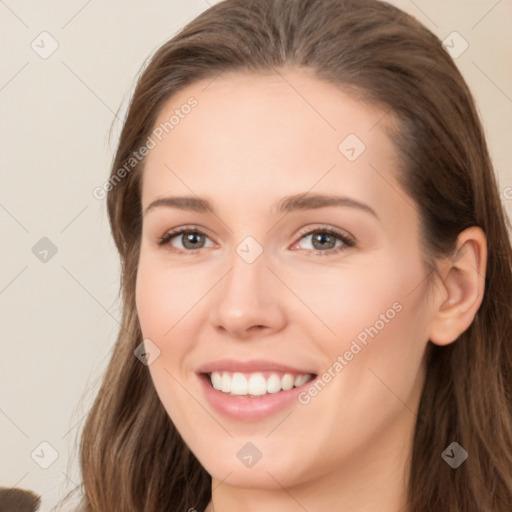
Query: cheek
column 160, row 304
column 164, row 296
column 381, row 336
column 349, row 299
column 379, row 325
column 149, row 301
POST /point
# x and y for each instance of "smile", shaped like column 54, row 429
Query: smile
column 256, row 384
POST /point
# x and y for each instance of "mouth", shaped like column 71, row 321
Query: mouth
column 255, row 384
column 252, row 390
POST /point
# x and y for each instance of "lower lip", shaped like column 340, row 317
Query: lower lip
column 245, row 407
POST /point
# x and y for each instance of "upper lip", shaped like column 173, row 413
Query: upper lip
column 254, row 365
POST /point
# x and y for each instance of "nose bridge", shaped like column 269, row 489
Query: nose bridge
column 249, row 258
column 246, row 282
column 247, row 296
column 249, row 268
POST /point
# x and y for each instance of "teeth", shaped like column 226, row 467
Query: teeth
column 256, row 384
column 239, row 385
column 216, row 380
column 300, row 380
column 225, row 383
column 287, row 382
column 273, row 383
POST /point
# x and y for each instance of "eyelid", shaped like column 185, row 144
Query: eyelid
column 169, row 235
column 340, row 233
column 348, row 240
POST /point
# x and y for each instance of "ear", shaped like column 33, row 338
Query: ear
column 461, row 290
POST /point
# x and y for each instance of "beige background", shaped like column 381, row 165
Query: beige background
column 60, row 318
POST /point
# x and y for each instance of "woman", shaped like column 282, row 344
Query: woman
column 316, row 275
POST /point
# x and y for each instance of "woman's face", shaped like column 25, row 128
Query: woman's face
column 264, row 291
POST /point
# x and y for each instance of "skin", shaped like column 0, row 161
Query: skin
column 250, row 141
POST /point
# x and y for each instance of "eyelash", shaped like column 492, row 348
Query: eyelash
column 347, row 240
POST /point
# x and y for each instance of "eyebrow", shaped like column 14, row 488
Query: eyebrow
column 287, row 204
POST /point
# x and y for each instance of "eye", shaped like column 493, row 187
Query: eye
column 324, row 240
column 191, row 239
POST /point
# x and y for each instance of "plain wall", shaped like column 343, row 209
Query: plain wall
column 60, row 317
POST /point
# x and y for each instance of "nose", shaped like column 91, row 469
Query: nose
column 249, row 300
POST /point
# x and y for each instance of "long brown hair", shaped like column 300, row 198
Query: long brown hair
column 132, row 457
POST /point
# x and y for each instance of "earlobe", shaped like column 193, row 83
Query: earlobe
column 461, row 291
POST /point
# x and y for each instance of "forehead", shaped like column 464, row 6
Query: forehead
column 252, row 107
column 272, row 134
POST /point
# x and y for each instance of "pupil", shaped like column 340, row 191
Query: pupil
column 190, row 238
column 321, row 239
